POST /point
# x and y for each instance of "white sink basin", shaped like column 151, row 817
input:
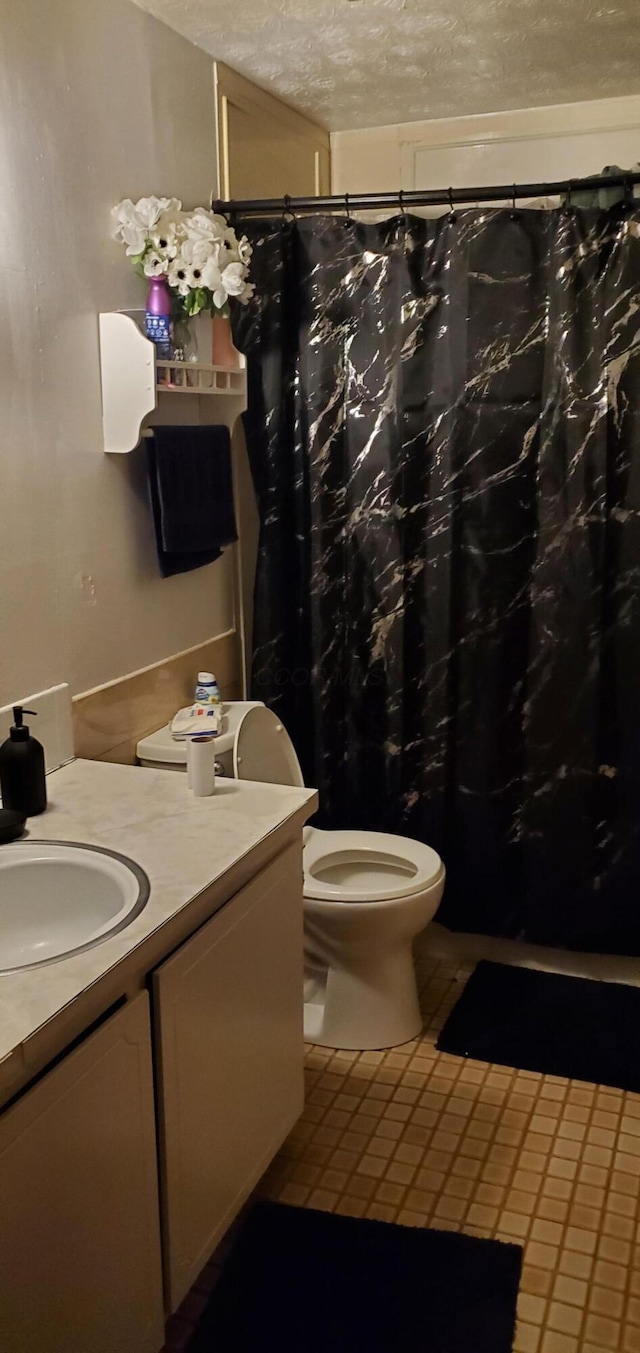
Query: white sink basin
column 57, row 898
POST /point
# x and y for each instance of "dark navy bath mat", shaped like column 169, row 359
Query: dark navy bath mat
column 542, row 1021
column 301, row 1281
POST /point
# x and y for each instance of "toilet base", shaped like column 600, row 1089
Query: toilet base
column 372, row 1005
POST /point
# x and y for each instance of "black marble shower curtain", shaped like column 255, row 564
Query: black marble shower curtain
column 444, row 433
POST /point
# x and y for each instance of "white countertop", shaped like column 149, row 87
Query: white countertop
column 184, row 844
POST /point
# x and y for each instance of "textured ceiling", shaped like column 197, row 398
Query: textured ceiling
column 362, row 63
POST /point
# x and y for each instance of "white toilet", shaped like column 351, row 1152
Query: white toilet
column 366, row 896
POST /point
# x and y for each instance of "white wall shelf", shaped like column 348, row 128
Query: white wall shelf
column 138, row 390
column 199, row 378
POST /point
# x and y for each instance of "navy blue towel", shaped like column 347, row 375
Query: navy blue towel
column 191, row 488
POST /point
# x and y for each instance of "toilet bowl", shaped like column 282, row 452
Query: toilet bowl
column 366, row 896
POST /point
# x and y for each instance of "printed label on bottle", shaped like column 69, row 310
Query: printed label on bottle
column 158, row 329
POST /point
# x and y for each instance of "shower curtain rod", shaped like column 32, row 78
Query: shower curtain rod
column 419, row 197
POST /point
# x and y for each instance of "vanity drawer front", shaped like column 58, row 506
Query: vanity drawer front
column 79, row 1217
column 228, row 1010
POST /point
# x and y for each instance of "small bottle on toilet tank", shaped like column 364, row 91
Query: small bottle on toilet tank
column 207, row 690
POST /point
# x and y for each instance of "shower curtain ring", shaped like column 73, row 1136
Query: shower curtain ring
column 346, row 207
column 452, row 215
column 514, row 214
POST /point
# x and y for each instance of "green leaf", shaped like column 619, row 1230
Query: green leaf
column 195, row 301
column 137, row 261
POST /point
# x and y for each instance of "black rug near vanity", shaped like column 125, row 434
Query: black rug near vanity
column 302, row 1281
column 543, row 1021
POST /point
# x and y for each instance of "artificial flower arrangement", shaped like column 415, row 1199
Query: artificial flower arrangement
column 197, row 252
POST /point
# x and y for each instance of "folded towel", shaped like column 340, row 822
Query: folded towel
column 191, row 490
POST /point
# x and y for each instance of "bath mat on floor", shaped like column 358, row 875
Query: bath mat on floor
column 301, row 1281
column 542, row 1021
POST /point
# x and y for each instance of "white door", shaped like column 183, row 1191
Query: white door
column 79, row 1220
column 228, row 1012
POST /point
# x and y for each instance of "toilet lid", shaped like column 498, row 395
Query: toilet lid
column 366, row 866
column 264, row 751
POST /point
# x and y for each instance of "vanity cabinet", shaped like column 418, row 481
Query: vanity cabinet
column 80, row 1264
column 123, row 1165
column 228, row 1011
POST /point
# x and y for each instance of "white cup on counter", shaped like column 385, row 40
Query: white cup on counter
column 201, row 765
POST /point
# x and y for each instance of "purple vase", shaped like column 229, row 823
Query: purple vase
column 157, row 319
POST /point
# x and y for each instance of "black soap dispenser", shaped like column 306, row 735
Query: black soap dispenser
column 22, row 778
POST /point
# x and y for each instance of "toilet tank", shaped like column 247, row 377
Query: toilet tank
column 160, row 750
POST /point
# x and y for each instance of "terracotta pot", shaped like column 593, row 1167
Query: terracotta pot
column 223, row 352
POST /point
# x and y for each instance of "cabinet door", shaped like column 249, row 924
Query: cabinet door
column 79, row 1220
column 265, row 147
column 228, row 1016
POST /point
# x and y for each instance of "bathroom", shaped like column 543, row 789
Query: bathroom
column 434, row 418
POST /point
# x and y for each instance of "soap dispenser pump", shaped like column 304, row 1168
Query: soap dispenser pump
column 22, row 775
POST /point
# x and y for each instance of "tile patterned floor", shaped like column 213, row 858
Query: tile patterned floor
column 426, row 1139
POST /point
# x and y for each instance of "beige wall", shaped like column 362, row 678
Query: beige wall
column 525, row 145
column 98, row 101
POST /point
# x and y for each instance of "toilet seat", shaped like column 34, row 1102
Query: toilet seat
column 264, row 751
column 340, row 866
column 346, row 866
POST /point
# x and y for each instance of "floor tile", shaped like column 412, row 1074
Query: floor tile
column 421, row 1138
